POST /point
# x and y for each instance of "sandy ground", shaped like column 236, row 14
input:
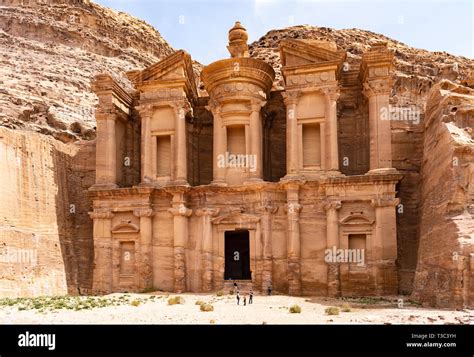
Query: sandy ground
column 264, row 310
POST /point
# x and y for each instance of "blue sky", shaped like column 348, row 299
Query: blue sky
column 200, row 26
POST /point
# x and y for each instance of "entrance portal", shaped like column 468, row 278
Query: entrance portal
column 237, row 255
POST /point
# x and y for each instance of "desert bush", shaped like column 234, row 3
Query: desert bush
column 207, row 307
column 332, row 310
column 176, row 300
column 135, row 303
column 220, row 293
column 199, row 302
column 295, row 309
column 346, row 308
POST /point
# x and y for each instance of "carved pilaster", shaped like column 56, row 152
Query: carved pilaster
column 102, row 274
column 207, row 272
column 293, row 209
column 180, row 224
column 332, row 240
column 267, row 210
column 378, row 91
column 145, row 246
column 291, row 99
column 331, row 94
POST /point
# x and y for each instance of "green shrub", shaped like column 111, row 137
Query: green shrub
column 176, row 300
column 207, row 307
column 135, row 303
column 332, row 310
column 346, row 308
column 295, row 309
column 199, row 302
column 220, row 293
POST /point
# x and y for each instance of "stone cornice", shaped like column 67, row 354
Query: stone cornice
column 101, row 213
column 103, row 85
column 377, row 62
column 385, row 201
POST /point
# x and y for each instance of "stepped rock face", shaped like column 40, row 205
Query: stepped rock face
column 445, row 273
column 51, row 50
column 416, row 71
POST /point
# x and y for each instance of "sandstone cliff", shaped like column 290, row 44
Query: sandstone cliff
column 50, row 51
column 445, row 272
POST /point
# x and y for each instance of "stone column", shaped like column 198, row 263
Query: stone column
column 331, row 95
column 106, row 151
column 220, row 147
column 384, row 246
column 180, row 159
column 267, row 210
column 291, row 100
column 207, row 272
column 147, row 172
column 145, row 270
column 180, row 228
column 378, row 91
column 103, row 250
column 293, row 209
column 332, row 240
column 255, row 133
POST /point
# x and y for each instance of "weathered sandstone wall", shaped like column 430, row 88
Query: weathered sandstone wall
column 444, row 275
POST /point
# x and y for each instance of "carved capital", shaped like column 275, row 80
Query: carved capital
column 256, row 105
column 291, row 97
column 181, row 108
column 377, row 87
column 331, row 93
column 214, row 107
column 180, row 210
column 267, row 207
column 101, row 213
column 335, row 205
column 207, row 212
column 293, row 208
column 385, row 201
column 143, row 212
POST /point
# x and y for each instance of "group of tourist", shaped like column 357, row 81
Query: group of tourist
column 244, row 299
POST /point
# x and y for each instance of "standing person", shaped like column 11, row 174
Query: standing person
column 238, row 298
column 251, row 296
column 269, row 290
column 236, row 287
column 245, row 300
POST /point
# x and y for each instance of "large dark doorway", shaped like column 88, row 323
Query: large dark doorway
column 237, row 255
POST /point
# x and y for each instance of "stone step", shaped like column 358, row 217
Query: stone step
column 244, row 286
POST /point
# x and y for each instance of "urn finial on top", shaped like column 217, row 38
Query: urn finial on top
column 238, row 37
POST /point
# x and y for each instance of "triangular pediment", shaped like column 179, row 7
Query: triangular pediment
column 175, row 68
column 295, row 52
